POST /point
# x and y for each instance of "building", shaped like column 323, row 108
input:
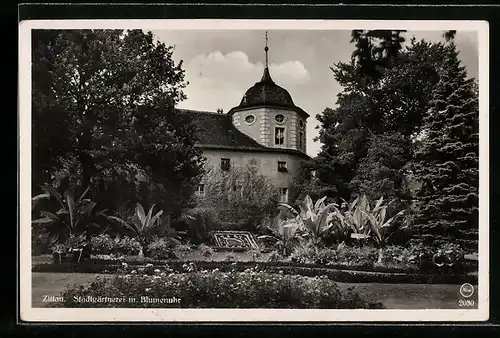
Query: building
column 266, row 130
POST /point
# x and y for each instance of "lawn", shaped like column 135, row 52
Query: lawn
column 393, row 296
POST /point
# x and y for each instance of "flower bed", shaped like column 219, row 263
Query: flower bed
column 340, row 274
column 214, row 289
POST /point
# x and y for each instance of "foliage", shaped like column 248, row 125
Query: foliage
column 103, row 107
column 199, row 222
column 145, row 226
column 284, row 232
column 162, row 248
column 68, row 216
column 242, row 197
column 370, row 137
column 254, row 254
column 274, row 256
column 447, row 163
column 343, row 255
column 314, row 218
column 206, row 251
column 366, row 222
column 104, row 244
column 205, row 289
column 382, row 172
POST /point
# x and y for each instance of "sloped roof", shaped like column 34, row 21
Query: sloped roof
column 216, row 129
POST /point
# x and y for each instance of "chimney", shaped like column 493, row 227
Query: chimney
column 219, row 110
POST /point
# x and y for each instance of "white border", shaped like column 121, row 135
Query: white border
column 28, row 313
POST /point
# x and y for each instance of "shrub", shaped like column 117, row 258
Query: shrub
column 182, row 250
column 215, row 289
column 104, row 244
column 162, row 248
column 206, row 251
column 200, row 221
column 274, row 256
column 242, row 197
column 255, row 254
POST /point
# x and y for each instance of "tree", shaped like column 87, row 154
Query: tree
column 447, row 163
column 104, row 113
column 381, row 173
column 376, row 112
column 242, row 197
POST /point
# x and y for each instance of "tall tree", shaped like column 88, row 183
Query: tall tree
column 103, row 107
column 385, row 109
column 447, row 163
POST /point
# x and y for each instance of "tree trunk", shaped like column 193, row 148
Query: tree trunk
column 87, row 169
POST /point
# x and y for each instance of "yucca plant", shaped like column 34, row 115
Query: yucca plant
column 314, row 219
column 144, row 226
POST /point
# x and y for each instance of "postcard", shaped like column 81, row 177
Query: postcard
column 253, row 171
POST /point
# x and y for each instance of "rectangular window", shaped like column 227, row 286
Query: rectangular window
column 200, row 191
column 282, row 166
column 301, row 140
column 225, row 164
column 279, row 136
column 284, row 195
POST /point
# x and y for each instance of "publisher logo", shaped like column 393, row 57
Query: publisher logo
column 466, row 290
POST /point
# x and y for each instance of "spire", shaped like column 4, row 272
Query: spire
column 266, row 77
column 266, row 49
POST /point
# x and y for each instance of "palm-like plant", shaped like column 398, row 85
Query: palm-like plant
column 381, row 227
column 74, row 217
column 144, row 226
column 367, row 223
column 314, row 219
column 283, row 233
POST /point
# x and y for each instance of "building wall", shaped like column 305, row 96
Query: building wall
column 266, row 163
column 262, row 129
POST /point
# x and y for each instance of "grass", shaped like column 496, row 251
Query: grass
column 393, row 296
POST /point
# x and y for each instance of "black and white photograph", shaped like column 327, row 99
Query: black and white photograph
column 253, row 170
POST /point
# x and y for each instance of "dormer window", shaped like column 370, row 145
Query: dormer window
column 250, row 119
column 280, row 118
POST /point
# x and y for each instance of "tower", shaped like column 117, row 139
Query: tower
column 268, row 114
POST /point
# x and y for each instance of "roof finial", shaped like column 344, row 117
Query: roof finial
column 266, row 49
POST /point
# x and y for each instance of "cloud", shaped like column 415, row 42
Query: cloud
column 219, row 80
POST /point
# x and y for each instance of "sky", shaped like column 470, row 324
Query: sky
column 221, row 65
